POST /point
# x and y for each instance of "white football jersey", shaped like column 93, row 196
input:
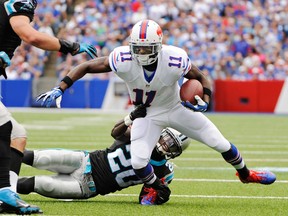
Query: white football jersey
column 161, row 89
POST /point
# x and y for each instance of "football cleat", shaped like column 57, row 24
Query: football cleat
column 149, row 197
column 261, row 177
column 10, row 202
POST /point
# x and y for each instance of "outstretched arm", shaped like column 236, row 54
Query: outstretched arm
column 120, row 131
column 99, row 65
column 21, row 26
column 121, row 128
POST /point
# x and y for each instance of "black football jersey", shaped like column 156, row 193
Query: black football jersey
column 9, row 40
column 112, row 169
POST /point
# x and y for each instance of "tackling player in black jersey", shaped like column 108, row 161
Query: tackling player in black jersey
column 87, row 174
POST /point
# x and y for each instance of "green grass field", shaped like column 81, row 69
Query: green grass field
column 204, row 183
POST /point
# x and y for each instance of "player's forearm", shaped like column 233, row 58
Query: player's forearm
column 43, row 41
column 119, row 129
column 93, row 66
column 21, row 25
column 196, row 73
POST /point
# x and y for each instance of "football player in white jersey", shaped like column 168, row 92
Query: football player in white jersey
column 151, row 71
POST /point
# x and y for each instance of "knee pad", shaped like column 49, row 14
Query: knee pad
column 58, row 160
column 18, row 131
column 60, row 186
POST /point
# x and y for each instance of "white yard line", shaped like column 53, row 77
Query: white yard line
column 272, row 169
column 218, row 180
column 221, row 159
column 209, row 152
column 207, row 196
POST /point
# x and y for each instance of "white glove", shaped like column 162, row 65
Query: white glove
column 48, row 97
column 201, row 105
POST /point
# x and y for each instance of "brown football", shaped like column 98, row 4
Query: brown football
column 189, row 89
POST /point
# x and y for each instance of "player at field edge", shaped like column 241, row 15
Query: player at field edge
column 151, row 72
column 15, row 18
column 82, row 174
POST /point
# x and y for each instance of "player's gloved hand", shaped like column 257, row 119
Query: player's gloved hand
column 163, row 195
column 139, row 112
column 75, row 48
column 4, row 62
column 201, row 105
column 48, row 97
column 88, row 48
column 152, row 196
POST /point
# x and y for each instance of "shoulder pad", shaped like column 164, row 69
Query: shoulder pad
column 13, row 7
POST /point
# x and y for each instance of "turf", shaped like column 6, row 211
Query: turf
column 204, row 183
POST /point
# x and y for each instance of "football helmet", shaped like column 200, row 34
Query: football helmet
column 172, row 143
column 145, row 42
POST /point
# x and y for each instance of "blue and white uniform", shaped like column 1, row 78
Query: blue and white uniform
column 160, row 93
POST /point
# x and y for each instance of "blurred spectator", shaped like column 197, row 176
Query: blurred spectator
column 228, row 39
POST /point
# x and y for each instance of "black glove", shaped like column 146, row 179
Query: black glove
column 163, row 195
column 157, row 196
column 75, row 48
column 3, row 72
column 139, row 112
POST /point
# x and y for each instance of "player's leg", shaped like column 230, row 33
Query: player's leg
column 197, row 126
column 18, row 144
column 5, row 152
column 10, row 202
column 234, row 157
column 60, row 186
column 55, row 160
column 74, row 164
column 5, row 138
column 144, row 136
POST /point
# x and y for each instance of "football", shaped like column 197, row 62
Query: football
column 189, row 89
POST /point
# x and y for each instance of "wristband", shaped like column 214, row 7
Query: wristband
column 127, row 120
column 68, row 81
column 207, row 91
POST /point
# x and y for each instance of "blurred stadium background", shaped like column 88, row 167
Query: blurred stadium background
column 240, row 45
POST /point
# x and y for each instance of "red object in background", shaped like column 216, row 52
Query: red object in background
column 135, row 6
column 246, row 96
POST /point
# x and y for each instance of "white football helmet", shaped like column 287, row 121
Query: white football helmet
column 172, row 143
column 145, row 42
